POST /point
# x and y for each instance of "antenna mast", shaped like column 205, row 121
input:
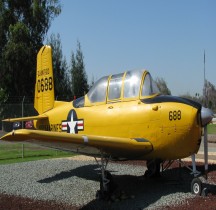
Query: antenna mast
column 204, row 68
column 204, row 85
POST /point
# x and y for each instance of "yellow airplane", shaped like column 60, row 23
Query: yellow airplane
column 122, row 117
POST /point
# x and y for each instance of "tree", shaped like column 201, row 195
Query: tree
column 60, row 69
column 162, row 86
column 209, row 97
column 196, row 97
column 78, row 73
column 23, row 26
column 91, row 84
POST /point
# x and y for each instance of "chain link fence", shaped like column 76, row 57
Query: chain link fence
column 19, row 106
column 15, row 107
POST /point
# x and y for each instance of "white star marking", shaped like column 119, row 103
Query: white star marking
column 72, row 124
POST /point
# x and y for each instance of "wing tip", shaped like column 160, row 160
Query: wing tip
column 20, row 135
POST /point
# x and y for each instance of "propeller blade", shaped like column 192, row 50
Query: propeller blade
column 206, row 116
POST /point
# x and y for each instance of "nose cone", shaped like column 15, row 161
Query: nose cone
column 206, row 116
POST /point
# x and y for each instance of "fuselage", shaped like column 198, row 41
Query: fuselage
column 171, row 124
column 129, row 105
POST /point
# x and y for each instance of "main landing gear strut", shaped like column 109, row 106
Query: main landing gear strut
column 107, row 185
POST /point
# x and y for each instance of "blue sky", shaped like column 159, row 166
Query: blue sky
column 167, row 37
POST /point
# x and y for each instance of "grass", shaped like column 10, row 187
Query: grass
column 16, row 152
column 212, row 129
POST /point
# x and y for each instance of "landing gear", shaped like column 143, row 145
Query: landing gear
column 196, row 186
column 153, row 168
column 107, row 185
column 198, row 183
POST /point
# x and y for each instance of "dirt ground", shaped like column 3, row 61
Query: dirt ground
column 18, row 203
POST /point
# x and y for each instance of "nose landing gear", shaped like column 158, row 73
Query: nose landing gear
column 197, row 186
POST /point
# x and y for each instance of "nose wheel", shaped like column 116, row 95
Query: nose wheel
column 196, row 186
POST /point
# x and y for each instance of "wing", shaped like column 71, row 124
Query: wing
column 86, row 144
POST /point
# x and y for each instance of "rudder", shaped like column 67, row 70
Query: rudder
column 44, row 87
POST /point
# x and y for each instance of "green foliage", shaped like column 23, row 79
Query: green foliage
column 60, row 68
column 3, row 97
column 78, row 74
column 16, row 59
column 23, row 26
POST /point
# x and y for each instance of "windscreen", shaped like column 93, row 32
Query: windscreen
column 98, row 92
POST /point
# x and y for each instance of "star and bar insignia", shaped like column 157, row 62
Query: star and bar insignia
column 72, row 124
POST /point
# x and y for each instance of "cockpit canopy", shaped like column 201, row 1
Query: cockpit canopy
column 127, row 86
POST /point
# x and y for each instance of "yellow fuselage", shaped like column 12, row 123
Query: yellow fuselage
column 172, row 128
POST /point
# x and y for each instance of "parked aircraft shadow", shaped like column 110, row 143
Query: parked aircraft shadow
column 211, row 167
column 148, row 191
column 86, row 172
column 141, row 192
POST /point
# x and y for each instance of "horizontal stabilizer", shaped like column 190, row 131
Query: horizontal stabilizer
column 39, row 117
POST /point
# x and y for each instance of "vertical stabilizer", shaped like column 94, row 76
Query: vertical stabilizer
column 44, row 87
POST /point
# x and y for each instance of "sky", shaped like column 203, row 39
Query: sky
column 166, row 37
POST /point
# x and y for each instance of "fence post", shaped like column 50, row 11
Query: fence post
column 23, row 108
column 22, row 151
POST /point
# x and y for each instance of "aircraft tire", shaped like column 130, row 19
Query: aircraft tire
column 196, row 186
column 99, row 195
column 153, row 169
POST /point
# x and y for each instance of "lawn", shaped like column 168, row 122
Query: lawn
column 18, row 152
column 212, row 129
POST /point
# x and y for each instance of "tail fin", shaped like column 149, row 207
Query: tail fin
column 44, row 87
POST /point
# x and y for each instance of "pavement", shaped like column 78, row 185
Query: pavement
column 211, row 153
